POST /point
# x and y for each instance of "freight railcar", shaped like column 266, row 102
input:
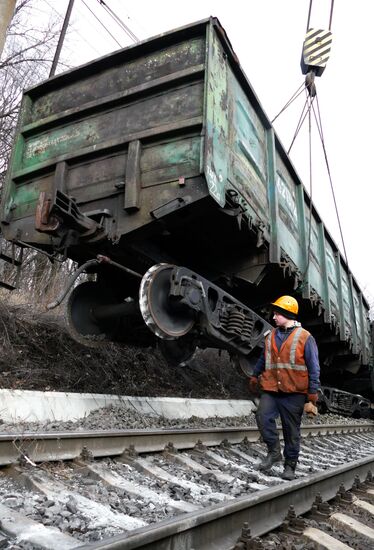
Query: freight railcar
column 156, row 168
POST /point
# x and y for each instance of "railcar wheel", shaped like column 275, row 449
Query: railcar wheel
column 80, row 319
column 245, row 364
column 167, row 318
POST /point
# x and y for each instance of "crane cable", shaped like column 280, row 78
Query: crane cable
column 298, row 92
column 304, row 114
column 310, row 87
column 320, row 131
column 316, row 51
column 309, row 101
column 310, row 11
column 309, row 81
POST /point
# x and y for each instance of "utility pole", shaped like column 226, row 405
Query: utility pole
column 6, row 13
column 61, row 39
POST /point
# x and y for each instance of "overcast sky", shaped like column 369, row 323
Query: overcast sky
column 267, row 36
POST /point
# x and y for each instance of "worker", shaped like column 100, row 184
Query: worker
column 287, row 373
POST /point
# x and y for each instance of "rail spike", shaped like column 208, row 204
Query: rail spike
column 320, row 510
column 245, row 442
column 246, row 542
column 369, row 478
column 169, row 448
column 292, row 523
column 130, row 453
column 343, row 495
column 86, row 454
column 359, row 488
column 199, row 446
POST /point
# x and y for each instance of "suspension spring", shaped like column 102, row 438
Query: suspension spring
column 236, row 321
column 247, row 328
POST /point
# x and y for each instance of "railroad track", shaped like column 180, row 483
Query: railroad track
column 162, row 489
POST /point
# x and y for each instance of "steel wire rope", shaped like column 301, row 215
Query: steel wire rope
column 306, row 111
column 302, row 118
column 320, row 131
column 310, row 11
column 331, row 12
column 298, row 92
column 119, row 21
column 102, row 24
column 310, row 106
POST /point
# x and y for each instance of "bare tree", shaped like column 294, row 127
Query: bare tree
column 26, row 60
column 27, row 57
column 6, row 13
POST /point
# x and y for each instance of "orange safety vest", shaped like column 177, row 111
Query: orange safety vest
column 285, row 369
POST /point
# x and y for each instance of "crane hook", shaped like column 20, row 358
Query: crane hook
column 310, row 84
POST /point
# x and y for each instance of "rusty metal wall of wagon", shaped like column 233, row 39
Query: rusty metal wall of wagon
column 132, row 119
column 151, row 147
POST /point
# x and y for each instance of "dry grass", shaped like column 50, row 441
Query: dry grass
column 36, row 353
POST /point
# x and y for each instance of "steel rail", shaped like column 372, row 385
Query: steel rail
column 219, row 526
column 54, row 446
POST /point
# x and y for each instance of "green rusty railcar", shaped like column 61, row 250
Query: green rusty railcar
column 161, row 152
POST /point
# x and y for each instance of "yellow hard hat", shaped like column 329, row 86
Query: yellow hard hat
column 288, row 304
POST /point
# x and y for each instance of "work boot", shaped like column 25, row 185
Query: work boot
column 289, row 470
column 271, row 458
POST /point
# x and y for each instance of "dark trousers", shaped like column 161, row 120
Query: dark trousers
column 289, row 406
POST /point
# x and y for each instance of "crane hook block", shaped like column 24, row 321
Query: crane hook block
column 316, row 51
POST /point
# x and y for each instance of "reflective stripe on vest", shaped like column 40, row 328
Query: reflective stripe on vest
column 268, row 352
column 295, row 341
column 291, row 364
column 286, row 366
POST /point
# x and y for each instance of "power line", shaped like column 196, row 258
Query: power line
column 132, row 19
column 81, row 37
column 102, row 24
column 119, row 21
column 75, row 30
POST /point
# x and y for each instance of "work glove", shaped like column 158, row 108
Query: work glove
column 253, row 384
column 313, row 398
column 310, row 409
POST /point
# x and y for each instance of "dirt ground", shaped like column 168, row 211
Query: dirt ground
column 37, row 353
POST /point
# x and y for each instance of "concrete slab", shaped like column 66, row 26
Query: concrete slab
column 363, row 505
column 353, row 526
column 146, row 466
column 27, row 530
column 35, row 406
column 262, row 479
column 197, row 467
column 323, row 541
column 136, row 490
column 96, row 514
